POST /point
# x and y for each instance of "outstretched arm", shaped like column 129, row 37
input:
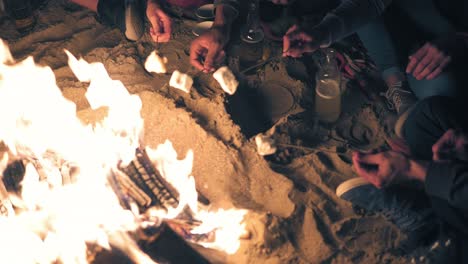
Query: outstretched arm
column 338, row 23
column 90, row 4
column 348, row 17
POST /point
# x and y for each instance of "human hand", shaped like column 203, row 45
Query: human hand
column 296, row 42
column 428, row 62
column 161, row 24
column 381, row 169
column 452, row 145
column 207, row 50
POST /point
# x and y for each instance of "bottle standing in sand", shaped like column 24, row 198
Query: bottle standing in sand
column 22, row 12
column 328, row 88
column 252, row 37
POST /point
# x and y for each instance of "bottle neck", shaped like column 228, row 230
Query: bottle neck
column 330, row 56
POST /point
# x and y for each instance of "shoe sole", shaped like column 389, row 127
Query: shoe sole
column 349, row 185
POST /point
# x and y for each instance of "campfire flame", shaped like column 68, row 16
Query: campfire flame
column 67, row 201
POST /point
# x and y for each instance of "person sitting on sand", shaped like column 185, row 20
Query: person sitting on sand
column 436, row 133
column 206, row 51
column 422, row 74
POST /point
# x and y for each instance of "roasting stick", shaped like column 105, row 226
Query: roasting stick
column 263, row 62
column 315, row 150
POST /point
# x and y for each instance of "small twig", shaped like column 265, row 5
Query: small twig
column 314, row 150
column 279, row 57
column 158, row 44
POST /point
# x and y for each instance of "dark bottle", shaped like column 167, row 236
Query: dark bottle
column 22, row 12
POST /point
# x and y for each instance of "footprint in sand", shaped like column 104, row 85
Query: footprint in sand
column 362, row 131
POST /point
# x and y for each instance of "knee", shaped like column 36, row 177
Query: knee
column 421, row 129
column 427, row 110
column 445, row 85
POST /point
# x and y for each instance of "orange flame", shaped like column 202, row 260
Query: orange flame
column 66, row 200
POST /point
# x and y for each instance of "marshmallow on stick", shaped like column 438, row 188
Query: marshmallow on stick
column 181, row 81
column 226, row 79
column 265, row 145
column 155, row 63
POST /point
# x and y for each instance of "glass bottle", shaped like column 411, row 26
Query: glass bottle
column 328, row 88
column 252, row 37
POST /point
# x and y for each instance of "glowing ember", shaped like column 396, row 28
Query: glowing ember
column 66, row 199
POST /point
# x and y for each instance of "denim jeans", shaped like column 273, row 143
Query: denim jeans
column 405, row 27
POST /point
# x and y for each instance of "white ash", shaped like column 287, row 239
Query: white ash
column 155, row 63
column 265, row 145
column 181, row 81
column 226, row 79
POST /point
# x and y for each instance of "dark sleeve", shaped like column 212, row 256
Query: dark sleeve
column 448, row 181
column 348, row 17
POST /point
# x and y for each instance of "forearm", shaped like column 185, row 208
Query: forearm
column 348, row 17
column 90, row 4
column 225, row 13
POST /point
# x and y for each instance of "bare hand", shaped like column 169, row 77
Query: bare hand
column 381, row 169
column 296, row 42
column 453, row 145
column 207, row 51
column 428, row 62
column 161, row 23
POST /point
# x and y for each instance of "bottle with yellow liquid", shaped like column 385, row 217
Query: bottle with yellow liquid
column 328, row 88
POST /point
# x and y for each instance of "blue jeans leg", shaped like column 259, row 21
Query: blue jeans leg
column 381, row 40
column 445, row 84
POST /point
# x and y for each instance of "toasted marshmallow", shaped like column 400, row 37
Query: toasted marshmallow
column 226, row 79
column 155, row 63
column 265, row 145
column 181, row 81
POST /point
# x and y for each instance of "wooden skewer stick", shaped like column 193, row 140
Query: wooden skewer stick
column 262, row 63
column 308, row 149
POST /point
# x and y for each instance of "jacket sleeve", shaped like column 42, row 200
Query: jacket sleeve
column 448, row 181
column 233, row 4
column 348, row 17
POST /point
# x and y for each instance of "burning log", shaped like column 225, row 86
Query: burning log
column 149, row 182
